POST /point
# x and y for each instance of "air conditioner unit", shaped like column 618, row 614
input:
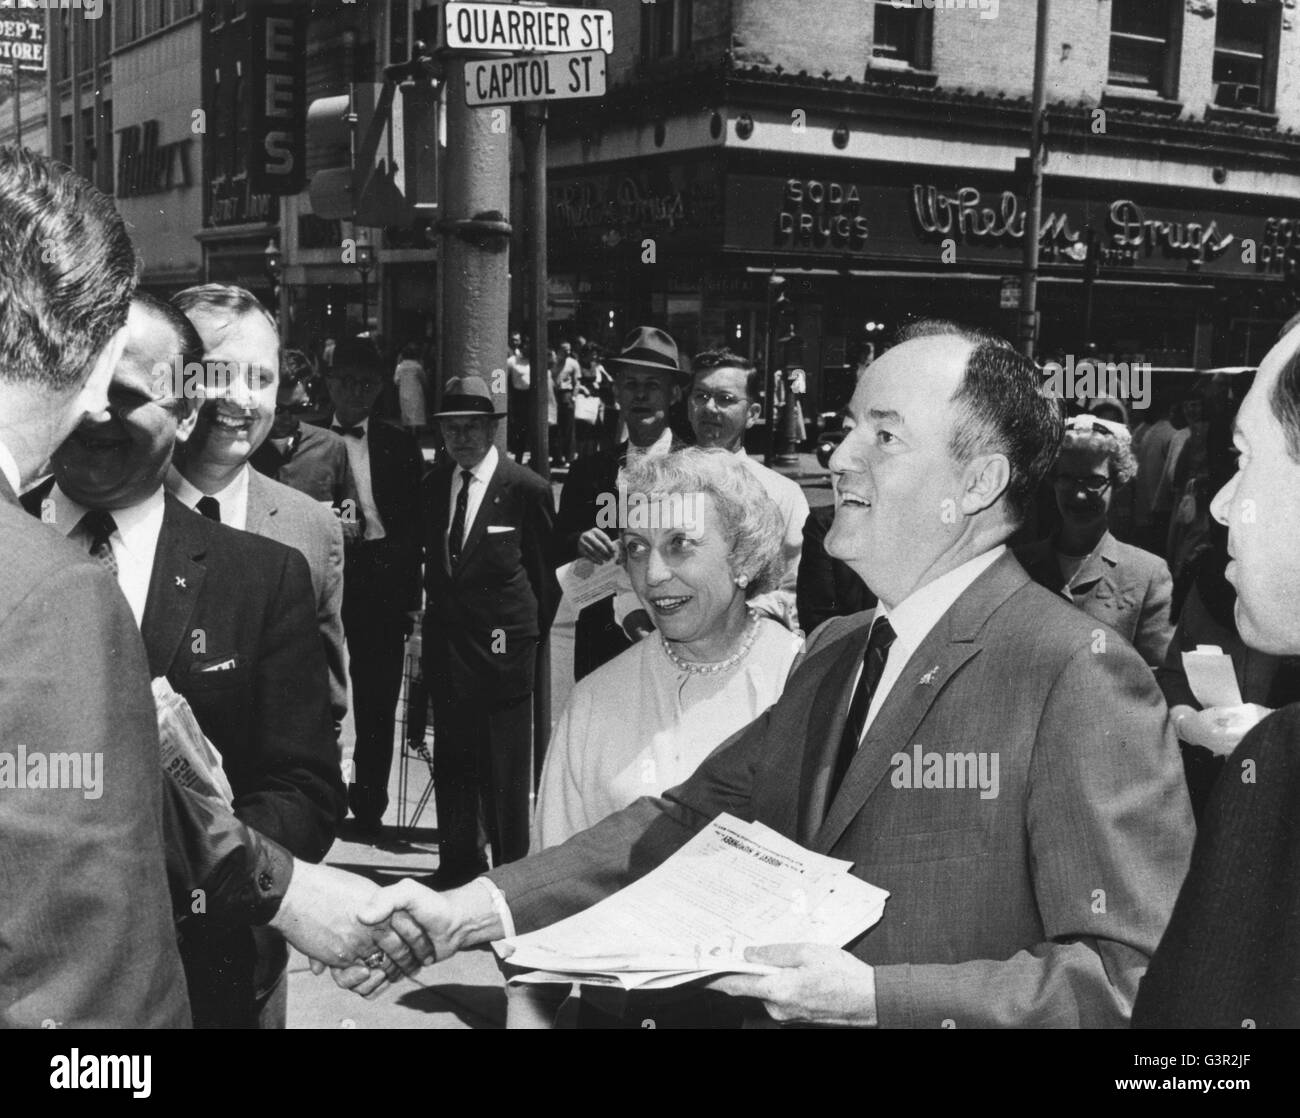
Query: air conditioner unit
column 1236, row 95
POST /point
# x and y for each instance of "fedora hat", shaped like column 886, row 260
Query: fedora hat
column 648, row 348
column 467, row 396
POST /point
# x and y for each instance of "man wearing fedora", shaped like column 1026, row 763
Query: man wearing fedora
column 647, row 378
column 490, row 597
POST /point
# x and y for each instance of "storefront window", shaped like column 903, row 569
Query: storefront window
column 901, row 36
column 1245, row 54
column 1144, row 40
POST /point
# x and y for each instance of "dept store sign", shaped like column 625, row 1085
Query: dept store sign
column 972, row 224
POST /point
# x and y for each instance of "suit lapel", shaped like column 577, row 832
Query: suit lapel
column 174, row 585
column 923, row 677
column 481, row 518
column 440, row 522
column 831, row 709
column 949, row 645
column 261, row 505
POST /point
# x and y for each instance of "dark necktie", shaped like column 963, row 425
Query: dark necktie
column 100, row 525
column 353, row 432
column 457, row 535
column 210, row 507
column 873, row 666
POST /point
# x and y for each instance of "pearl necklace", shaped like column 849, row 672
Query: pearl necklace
column 693, row 667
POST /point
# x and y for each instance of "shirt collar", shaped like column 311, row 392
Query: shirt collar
column 662, row 445
column 364, row 424
column 918, row 613
column 189, row 495
column 9, row 467
column 135, row 525
column 484, row 470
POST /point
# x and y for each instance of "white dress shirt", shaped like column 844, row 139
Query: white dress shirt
column 481, row 475
column 233, row 499
column 914, row 617
column 359, row 460
column 9, row 467
column 662, row 445
column 134, row 542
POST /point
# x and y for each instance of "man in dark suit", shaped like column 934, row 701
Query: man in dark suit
column 305, row 457
column 85, row 921
column 228, row 619
column 646, row 373
column 1231, row 956
column 1018, row 793
column 211, row 472
column 381, row 574
column 491, row 595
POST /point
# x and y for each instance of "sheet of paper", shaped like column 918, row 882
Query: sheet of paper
column 1211, row 676
column 734, row 885
column 584, row 583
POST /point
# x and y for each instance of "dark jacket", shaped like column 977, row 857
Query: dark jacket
column 483, row 620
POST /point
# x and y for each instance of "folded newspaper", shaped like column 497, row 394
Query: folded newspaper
column 734, row 885
column 192, row 760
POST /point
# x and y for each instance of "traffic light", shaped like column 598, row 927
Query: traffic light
column 391, row 134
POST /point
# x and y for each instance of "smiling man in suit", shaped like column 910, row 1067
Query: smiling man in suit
column 381, row 574
column 1031, row 869
column 491, row 596
column 228, row 619
column 211, row 473
column 86, row 935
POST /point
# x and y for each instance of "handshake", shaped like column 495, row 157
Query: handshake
column 369, row 935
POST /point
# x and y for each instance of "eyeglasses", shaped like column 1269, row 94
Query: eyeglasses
column 1091, row 484
column 700, row 398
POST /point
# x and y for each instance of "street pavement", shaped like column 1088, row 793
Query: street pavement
column 465, row 992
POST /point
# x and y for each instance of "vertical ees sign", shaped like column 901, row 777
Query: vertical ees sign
column 277, row 162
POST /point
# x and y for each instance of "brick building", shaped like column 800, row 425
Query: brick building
column 866, row 150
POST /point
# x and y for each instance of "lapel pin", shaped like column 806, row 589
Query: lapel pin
column 180, row 583
column 928, row 678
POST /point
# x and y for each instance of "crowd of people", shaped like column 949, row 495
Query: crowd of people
column 996, row 578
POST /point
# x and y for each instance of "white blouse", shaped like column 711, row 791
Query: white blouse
column 639, row 725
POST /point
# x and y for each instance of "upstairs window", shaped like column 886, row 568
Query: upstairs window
column 901, row 37
column 665, row 29
column 1245, row 54
column 1144, row 41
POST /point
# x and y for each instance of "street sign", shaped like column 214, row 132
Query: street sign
column 22, row 39
column 545, row 77
column 1009, row 296
column 528, row 29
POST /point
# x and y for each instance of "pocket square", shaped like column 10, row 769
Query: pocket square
column 220, row 666
column 496, row 529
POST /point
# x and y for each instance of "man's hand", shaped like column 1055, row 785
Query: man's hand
column 319, row 917
column 816, row 985
column 433, row 925
column 1217, row 729
column 593, row 544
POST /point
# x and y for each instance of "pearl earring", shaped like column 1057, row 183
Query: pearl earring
column 742, row 581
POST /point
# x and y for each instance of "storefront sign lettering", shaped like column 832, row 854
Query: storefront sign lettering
column 961, row 215
column 1131, row 229
column 144, row 166
column 232, row 201
column 816, row 213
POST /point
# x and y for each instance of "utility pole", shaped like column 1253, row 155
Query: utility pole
column 1033, row 214
column 475, row 259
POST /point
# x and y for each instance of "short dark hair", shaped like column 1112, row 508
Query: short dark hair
column 67, row 271
column 207, row 298
column 1285, row 402
column 357, row 353
column 1000, row 407
column 189, row 346
column 295, row 368
column 723, row 358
